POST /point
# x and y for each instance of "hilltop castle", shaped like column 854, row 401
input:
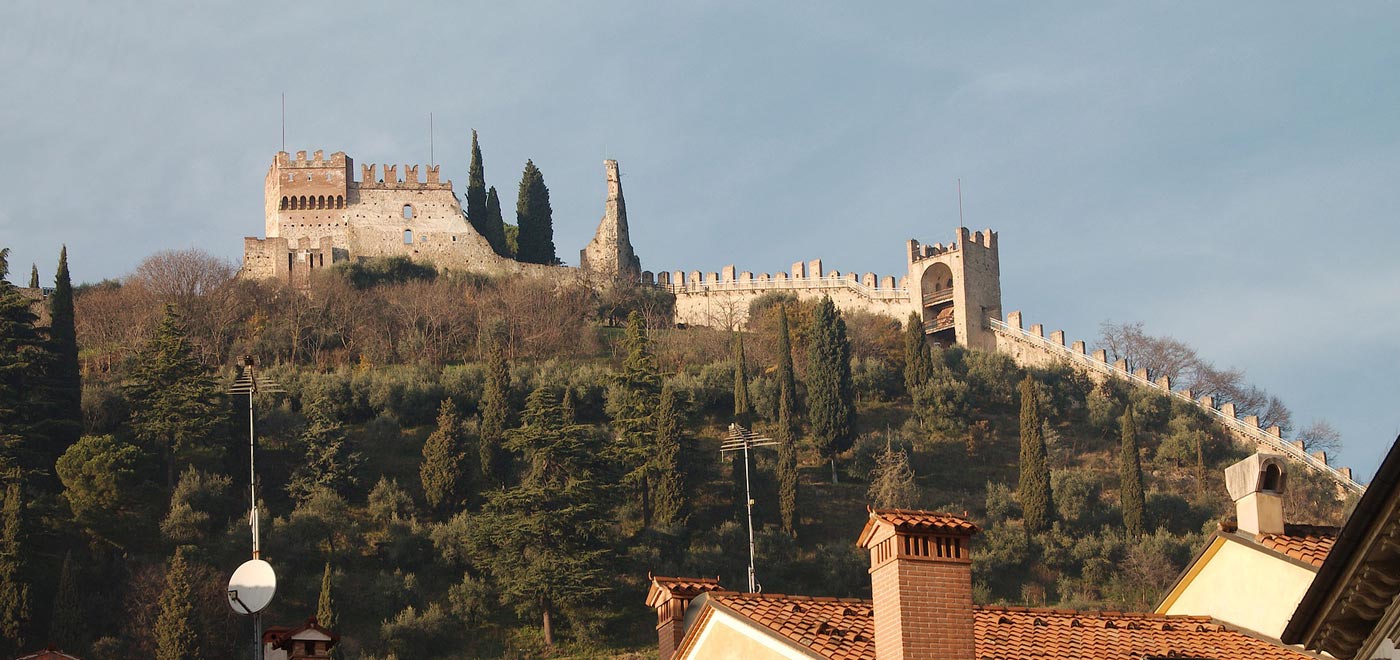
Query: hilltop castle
column 316, row 214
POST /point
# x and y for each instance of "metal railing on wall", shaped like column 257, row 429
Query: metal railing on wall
column 790, row 283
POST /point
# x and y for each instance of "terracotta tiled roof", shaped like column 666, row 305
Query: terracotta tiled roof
column 837, row 628
column 844, row 629
column 910, row 519
column 1012, row 633
column 663, row 588
column 1308, row 543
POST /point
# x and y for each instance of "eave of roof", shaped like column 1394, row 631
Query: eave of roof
column 1347, row 552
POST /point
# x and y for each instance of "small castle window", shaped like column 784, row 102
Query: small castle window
column 308, row 177
column 408, row 237
column 407, row 211
column 1272, row 477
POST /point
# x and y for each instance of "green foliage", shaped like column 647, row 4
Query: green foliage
column 443, row 471
column 535, row 218
column 196, row 507
column 67, row 624
column 329, row 462
column 509, row 234
column 325, row 603
column 544, row 540
column 177, row 637
column 418, row 634
column 1037, row 499
column 106, row 486
column 631, row 401
column 788, row 477
column 830, row 400
column 22, row 357
column 33, row 276
column 64, row 374
column 14, row 550
column 178, row 411
column 370, row 273
column 918, row 358
column 478, row 209
column 742, row 411
column 1131, row 497
column 671, row 504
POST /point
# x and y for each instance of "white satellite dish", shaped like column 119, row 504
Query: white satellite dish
column 251, row 587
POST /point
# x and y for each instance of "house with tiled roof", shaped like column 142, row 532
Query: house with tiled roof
column 921, row 607
column 1352, row 610
column 1252, row 572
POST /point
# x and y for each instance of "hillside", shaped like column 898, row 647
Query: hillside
column 368, row 357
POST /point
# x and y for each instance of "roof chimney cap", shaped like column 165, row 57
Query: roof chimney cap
column 1259, row 473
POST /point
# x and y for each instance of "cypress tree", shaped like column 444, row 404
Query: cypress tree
column 66, row 376
column 14, row 589
column 34, row 275
column 478, row 204
column 496, row 223
column 830, row 396
column 1130, row 479
column 671, row 506
column 742, row 416
column 495, row 410
column 534, row 218
column 443, row 472
column 176, row 636
column 632, row 399
column 918, row 359
column 1037, row 501
column 22, row 356
column 177, row 409
column 787, row 429
column 66, row 625
column 325, row 605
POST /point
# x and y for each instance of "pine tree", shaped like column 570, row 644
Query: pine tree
column 918, row 358
column 22, row 359
column 66, row 378
column 325, row 605
column 496, row 223
column 34, row 276
column 1130, row 479
column 495, row 410
column 830, row 396
column 534, row 218
column 632, row 399
column 177, row 409
column 1037, row 501
column 66, row 625
column 671, row 506
column 329, row 462
column 787, row 429
column 546, row 537
column 176, row 635
column 14, row 588
column 443, row 471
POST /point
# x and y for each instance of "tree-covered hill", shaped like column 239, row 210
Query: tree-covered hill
column 468, row 467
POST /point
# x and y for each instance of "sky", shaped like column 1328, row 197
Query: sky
column 1224, row 173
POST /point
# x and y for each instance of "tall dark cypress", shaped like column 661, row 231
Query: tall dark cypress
column 177, row 637
column 830, row 395
column 34, row 274
column 632, row 400
column 918, row 359
column 535, row 218
column 1037, row 500
column 325, row 605
column 67, row 624
column 743, row 415
column 14, row 587
column 1130, row 479
column 67, row 384
column 496, row 223
column 495, row 410
column 443, row 471
column 787, row 429
column 669, row 505
column 22, row 354
column 478, row 210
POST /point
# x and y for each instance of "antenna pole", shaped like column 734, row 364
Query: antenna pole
column 748, row 504
column 432, row 158
column 252, row 473
column 960, row 215
column 284, row 121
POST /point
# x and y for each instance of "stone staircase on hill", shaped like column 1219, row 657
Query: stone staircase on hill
column 1032, row 348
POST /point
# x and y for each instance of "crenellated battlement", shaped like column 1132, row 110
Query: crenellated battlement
column 410, row 181
column 317, row 159
column 1032, row 347
column 985, row 238
column 804, row 275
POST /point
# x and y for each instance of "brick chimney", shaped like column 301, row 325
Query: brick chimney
column 670, row 596
column 921, row 581
column 1256, row 485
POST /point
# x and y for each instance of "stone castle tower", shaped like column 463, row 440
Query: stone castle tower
column 956, row 288
column 610, row 251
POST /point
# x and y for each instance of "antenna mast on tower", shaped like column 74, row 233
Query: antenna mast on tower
column 742, row 439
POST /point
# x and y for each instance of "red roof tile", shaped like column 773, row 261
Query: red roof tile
column 1308, row 543
column 663, row 587
column 844, row 629
column 908, row 520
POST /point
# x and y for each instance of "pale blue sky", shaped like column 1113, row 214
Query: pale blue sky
column 1224, row 172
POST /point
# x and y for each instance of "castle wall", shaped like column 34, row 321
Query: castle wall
column 723, row 299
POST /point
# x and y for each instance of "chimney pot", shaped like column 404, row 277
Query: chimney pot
column 1256, row 484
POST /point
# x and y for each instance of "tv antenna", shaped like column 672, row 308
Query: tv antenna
column 432, row 158
column 742, row 439
column 960, row 215
column 252, row 586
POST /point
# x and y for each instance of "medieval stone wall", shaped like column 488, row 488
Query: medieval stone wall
column 722, row 299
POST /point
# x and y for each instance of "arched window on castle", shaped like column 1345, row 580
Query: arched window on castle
column 302, row 203
column 408, row 237
column 284, row 204
column 340, row 201
column 407, row 211
column 321, row 202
